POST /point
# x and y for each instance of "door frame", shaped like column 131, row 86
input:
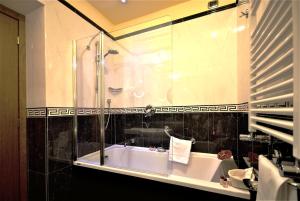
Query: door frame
column 22, row 100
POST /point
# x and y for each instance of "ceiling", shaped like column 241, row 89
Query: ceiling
column 21, row 6
column 117, row 12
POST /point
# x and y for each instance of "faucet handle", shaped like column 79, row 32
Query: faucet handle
column 149, row 111
column 160, row 149
column 277, row 156
column 193, row 140
column 167, row 131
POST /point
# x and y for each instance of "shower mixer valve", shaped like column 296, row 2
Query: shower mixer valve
column 149, row 111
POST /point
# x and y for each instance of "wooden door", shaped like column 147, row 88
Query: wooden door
column 9, row 109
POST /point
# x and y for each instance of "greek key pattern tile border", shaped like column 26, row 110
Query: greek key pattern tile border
column 37, row 112
column 60, row 111
column 69, row 111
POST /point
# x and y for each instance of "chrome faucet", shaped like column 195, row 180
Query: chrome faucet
column 160, row 149
column 129, row 142
column 149, row 111
column 277, row 156
column 167, row 131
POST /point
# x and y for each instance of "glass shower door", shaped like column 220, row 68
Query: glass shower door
column 121, row 88
column 88, row 84
column 138, row 74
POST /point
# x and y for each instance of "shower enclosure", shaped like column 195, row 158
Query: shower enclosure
column 136, row 89
column 115, row 80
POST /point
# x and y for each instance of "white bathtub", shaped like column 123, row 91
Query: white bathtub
column 202, row 172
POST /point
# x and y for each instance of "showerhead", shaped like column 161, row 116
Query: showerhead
column 111, row 51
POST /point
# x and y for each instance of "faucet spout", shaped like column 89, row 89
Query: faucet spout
column 167, row 131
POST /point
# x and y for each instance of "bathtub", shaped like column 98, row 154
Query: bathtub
column 202, row 172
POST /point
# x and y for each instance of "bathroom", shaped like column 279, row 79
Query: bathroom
column 153, row 100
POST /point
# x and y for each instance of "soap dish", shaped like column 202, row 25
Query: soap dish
column 236, row 178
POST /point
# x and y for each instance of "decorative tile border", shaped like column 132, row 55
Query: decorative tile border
column 88, row 111
column 69, row 111
column 60, row 111
column 36, row 112
column 204, row 108
column 185, row 109
column 243, row 107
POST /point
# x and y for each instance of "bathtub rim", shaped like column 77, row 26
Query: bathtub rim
column 197, row 154
column 208, row 186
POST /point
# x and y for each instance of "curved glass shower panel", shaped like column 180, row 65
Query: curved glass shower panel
column 138, row 75
column 87, row 126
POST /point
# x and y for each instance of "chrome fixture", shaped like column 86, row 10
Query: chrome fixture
column 88, row 47
column 277, row 156
column 149, row 111
column 241, row 2
column 255, row 138
column 213, row 4
column 108, row 103
column 245, row 13
column 129, row 142
column 160, row 149
column 111, row 51
column 167, row 131
column 100, row 92
column 115, row 90
column 246, row 137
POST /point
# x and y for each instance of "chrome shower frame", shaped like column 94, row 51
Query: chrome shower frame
column 101, row 92
column 100, row 95
column 74, row 83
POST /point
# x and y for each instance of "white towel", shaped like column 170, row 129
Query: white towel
column 271, row 186
column 180, row 150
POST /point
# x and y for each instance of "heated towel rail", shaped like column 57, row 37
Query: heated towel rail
column 254, row 6
column 274, row 105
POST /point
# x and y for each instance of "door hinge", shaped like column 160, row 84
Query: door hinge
column 18, row 40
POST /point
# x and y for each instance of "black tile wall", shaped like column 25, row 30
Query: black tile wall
column 36, row 129
column 223, row 132
column 212, row 131
column 88, row 134
column 197, row 126
column 60, row 149
column 60, row 157
column 37, row 186
column 50, row 141
column 60, row 185
column 50, row 148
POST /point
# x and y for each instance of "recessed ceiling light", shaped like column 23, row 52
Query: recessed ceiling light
column 123, row 1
